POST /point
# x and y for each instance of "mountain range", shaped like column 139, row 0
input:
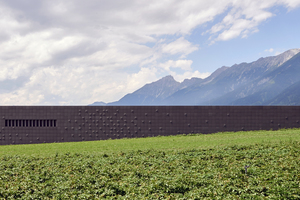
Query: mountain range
column 273, row 80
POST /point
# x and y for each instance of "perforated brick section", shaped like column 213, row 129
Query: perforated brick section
column 79, row 123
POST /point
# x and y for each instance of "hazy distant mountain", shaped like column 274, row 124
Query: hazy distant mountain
column 150, row 94
column 266, row 86
column 290, row 96
column 98, row 103
column 255, row 83
column 227, row 80
column 260, row 91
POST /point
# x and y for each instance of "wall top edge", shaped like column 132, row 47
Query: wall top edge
column 153, row 106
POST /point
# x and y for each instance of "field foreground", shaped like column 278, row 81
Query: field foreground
column 213, row 169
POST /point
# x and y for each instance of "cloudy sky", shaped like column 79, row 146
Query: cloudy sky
column 75, row 52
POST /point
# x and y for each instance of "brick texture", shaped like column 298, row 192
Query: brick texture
column 47, row 124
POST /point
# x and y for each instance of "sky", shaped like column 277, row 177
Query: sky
column 55, row 52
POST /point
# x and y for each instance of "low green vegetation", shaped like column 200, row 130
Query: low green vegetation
column 179, row 142
column 174, row 167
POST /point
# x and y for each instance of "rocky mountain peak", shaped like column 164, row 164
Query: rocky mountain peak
column 292, row 52
column 168, row 77
column 192, row 81
column 167, row 81
column 282, row 58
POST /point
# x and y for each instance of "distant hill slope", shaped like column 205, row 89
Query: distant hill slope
column 150, row 94
column 255, row 83
column 97, row 103
column 229, row 80
column 290, row 96
column 261, row 90
column 154, row 93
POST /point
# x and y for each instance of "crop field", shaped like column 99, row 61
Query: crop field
column 242, row 165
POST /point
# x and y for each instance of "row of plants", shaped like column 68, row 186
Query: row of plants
column 232, row 172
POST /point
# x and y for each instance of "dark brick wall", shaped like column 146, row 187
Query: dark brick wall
column 78, row 123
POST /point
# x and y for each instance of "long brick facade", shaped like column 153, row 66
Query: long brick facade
column 47, row 124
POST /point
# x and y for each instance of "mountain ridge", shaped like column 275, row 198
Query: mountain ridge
column 239, row 84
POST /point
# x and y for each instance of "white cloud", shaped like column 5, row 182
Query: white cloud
column 182, row 64
column 78, row 52
column 244, row 18
column 190, row 74
column 269, row 50
column 139, row 79
column 291, row 4
column 179, row 46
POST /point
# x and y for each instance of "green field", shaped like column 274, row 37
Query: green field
column 173, row 167
column 180, row 142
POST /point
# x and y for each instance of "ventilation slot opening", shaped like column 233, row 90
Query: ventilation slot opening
column 30, row 123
